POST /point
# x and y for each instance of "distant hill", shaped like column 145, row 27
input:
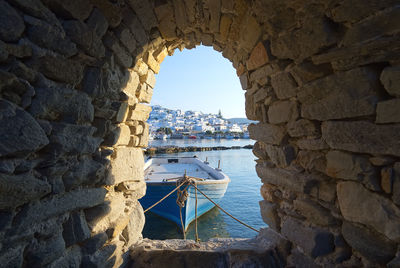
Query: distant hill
column 238, row 120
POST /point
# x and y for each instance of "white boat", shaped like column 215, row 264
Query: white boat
column 161, row 176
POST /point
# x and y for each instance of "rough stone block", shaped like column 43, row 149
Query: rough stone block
column 74, row 139
column 57, row 205
column 85, row 172
column 68, row 71
column 85, row 37
column 12, row 256
column 269, row 214
column 244, row 81
column 144, row 9
column 370, row 244
column 94, row 243
column 250, row 32
column 294, row 181
column 42, row 252
column 62, row 104
column 341, row 95
column 284, row 85
column 19, row 132
column 152, row 62
column 314, row 241
column 167, row 25
column 283, row 111
column 136, row 189
column 122, row 55
column 71, row 258
column 11, row 23
column 311, row 160
column 356, row 204
column 314, row 212
column 261, row 75
column 75, row 229
column 258, row 57
column 112, row 12
column 133, row 230
column 312, row 144
column 391, row 81
column 307, row 71
column 315, row 33
column 302, row 127
column 344, row 12
column 388, row 111
column 97, row 23
column 145, row 93
column 16, row 190
column 127, row 164
column 281, row 156
column 140, row 112
column 224, row 26
column 50, row 37
column 267, row 133
column 352, row 167
column 383, row 23
column 149, row 79
column 70, row 10
column 362, row 137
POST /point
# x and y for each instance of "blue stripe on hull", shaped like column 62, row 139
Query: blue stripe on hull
column 170, row 210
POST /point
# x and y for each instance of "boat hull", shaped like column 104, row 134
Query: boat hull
column 169, row 209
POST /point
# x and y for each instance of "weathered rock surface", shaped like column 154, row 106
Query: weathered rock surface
column 390, row 80
column 20, row 189
column 314, row 241
column 362, row 137
column 267, row 133
column 388, row 111
column 356, row 204
column 11, row 23
column 341, row 95
column 62, row 104
column 371, row 245
column 19, row 131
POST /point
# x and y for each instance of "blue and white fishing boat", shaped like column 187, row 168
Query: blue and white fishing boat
column 161, row 176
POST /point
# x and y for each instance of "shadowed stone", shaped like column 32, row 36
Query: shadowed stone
column 362, row 137
column 69, row 9
column 370, row 244
column 19, row 132
column 74, row 139
column 59, row 204
column 11, row 23
column 341, row 95
column 391, row 81
column 314, row 241
column 62, row 104
column 356, row 204
column 75, row 229
column 48, row 36
column 16, row 190
column 388, row 111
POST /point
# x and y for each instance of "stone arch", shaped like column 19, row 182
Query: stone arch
column 319, row 76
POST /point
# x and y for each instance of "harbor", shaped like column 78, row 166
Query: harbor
column 241, row 198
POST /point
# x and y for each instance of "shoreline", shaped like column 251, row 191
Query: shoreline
column 177, row 149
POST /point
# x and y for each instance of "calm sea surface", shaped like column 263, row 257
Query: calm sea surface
column 241, row 198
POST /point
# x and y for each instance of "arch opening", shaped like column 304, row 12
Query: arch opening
column 322, row 84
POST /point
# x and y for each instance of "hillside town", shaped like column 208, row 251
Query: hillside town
column 177, row 124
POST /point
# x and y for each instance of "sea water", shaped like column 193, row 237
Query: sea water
column 241, row 198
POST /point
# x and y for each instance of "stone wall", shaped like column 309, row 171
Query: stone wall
column 320, row 76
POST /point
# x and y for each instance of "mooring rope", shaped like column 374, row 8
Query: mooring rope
column 181, row 199
column 223, row 210
column 162, row 199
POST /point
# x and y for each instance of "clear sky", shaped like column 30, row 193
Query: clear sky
column 199, row 79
